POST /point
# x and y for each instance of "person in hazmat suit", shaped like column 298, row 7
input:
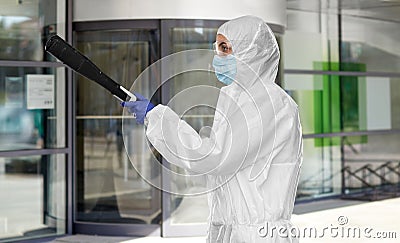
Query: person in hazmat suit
column 253, row 153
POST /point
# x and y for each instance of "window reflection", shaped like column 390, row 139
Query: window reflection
column 371, row 169
column 24, row 27
column 372, row 42
column 109, row 190
column 26, row 122
column 343, row 104
column 193, row 209
column 33, row 196
column 334, row 103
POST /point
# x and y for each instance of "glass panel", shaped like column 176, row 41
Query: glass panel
column 331, row 103
column 26, row 25
column 321, row 171
column 369, row 35
column 193, row 209
column 372, row 167
column 371, row 42
column 192, row 38
column 33, row 196
column 310, row 39
column 109, row 189
column 370, row 170
column 32, row 108
column 395, row 101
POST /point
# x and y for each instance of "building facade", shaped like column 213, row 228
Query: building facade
column 64, row 166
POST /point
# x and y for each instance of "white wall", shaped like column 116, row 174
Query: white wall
column 272, row 11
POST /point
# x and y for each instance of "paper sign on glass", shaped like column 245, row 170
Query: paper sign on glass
column 39, row 91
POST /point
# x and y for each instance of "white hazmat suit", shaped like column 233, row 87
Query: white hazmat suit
column 254, row 152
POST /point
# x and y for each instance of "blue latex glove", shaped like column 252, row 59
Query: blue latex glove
column 140, row 107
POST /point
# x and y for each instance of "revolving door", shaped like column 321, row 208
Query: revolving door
column 111, row 198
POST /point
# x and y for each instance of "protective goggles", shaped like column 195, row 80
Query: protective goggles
column 222, row 48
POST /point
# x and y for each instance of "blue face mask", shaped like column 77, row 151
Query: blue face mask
column 225, row 68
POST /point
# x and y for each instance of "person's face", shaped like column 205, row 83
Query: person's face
column 222, row 46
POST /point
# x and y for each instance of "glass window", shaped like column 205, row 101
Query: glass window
column 187, row 210
column 371, row 42
column 395, row 99
column 371, row 167
column 321, row 170
column 109, row 189
column 33, row 196
column 333, row 103
column 32, row 116
column 32, row 108
column 191, row 209
column 192, row 38
column 311, row 38
column 25, row 26
column 368, row 35
column 367, row 169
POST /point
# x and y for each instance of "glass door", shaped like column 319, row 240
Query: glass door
column 187, row 215
column 111, row 197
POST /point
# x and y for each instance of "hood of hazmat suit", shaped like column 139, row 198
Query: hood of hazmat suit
column 253, row 154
